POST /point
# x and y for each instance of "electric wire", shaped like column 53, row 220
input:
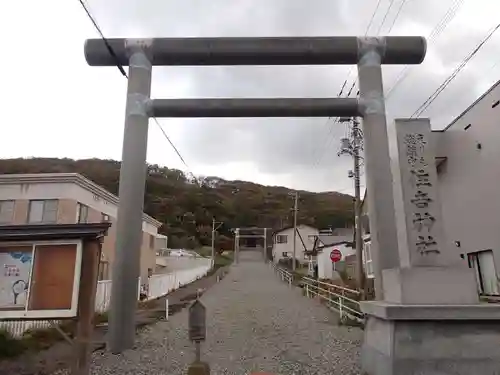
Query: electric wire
column 329, row 137
column 453, row 75
column 122, row 71
column 398, row 12
column 434, row 34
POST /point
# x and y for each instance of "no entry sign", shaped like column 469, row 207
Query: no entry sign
column 335, row 255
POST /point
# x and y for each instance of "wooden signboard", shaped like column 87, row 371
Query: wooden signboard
column 40, row 280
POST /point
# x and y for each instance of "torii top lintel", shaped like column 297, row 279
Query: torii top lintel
column 340, row 50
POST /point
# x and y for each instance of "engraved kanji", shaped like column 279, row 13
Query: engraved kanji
column 421, row 199
column 420, row 178
column 426, row 244
column 423, row 220
column 415, row 146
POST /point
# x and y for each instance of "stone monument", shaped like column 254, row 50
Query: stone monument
column 430, row 320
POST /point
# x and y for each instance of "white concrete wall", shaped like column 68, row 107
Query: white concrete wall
column 469, row 179
column 171, row 264
column 305, row 231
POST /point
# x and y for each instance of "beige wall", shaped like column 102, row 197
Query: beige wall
column 66, row 211
column 20, row 212
column 68, row 196
column 148, row 256
column 63, row 191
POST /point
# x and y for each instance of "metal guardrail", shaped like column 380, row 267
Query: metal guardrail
column 282, row 273
column 338, row 298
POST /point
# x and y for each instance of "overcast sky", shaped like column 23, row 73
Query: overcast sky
column 53, row 104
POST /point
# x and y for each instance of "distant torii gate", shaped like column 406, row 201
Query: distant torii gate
column 369, row 53
column 238, row 236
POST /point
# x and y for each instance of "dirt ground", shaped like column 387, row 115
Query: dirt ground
column 59, row 355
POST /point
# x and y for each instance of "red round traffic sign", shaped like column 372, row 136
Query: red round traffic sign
column 335, row 255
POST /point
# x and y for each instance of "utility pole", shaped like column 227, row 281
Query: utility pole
column 295, row 210
column 236, row 254
column 214, row 230
column 265, row 245
column 352, row 146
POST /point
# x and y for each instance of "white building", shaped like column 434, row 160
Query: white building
column 325, row 246
column 468, row 165
column 283, row 243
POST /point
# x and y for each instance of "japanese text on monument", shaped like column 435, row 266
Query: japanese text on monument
column 422, row 217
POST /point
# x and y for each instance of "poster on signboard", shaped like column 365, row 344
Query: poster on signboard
column 14, row 278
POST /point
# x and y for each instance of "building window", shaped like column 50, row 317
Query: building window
column 82, row 213
column 483, row 263
column 281, row 238
column 6, row 211
column 367, row 257
column 43, row 211
column 152, row 241
column 365, row 224
column 104, row 218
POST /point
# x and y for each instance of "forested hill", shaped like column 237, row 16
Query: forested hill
column 186, row 204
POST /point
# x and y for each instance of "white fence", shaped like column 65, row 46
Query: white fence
column 103, row 295
column 159, row 285
column 338, row 298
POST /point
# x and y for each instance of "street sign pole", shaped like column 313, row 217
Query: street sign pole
column 335, row 256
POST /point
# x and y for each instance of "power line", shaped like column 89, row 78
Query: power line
column 328, row 141
column 391, row 3
column 398, row 12
column 452, row 76
column 373, row 17
column 436, row 31
column 329, row 137
column 385, row 16
column 171, row 143
column 108, row 47
column 122, row 71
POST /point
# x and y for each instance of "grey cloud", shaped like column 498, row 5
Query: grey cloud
column 290, row 146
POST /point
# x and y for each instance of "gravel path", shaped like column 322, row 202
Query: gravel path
column 254, row 322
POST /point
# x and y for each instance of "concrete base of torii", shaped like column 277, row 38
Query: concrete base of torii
column 461, row 338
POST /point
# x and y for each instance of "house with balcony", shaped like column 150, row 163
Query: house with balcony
column 468, row 165
column 66, row 198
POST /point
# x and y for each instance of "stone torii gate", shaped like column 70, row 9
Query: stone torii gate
column 238, row 235
column 369, row 53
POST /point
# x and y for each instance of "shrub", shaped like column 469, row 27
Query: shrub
column 9, row 346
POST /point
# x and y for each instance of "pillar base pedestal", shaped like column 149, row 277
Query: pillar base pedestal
column 431, row 339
